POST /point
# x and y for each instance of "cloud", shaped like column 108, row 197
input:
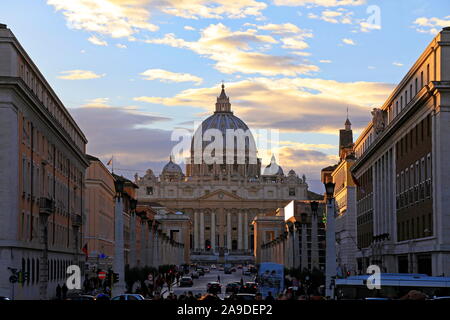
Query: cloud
column 98, row 42
column 348, row 41
column 321, row 3
column 121, row 46
column 114, row 18
column 79, row 75
column 134, row 146
column 212, row 9
column 189, row 28
column 232, row 51
column 168, row 76
column 294, row 43
column 325, row 61
column 289, row 104
column 340, row 15
column 431, row 25
column 283, row 29
column 397, row 64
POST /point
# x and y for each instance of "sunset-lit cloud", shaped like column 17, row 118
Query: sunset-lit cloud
column 431, row 25
column 97, row 41
column 114, row 18
column 348, row 41
column 168, row 76
column 322, row 3
column 308, row 105
column 79, row 75
column 232, row 51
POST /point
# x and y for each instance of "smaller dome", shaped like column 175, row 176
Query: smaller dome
column 171, row 167
column 292, row 172
column 273, row 169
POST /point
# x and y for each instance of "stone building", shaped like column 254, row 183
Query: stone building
column 294, row 236
column 42, row 165
column 222, row 199
column 403, row 222
column 345, row 196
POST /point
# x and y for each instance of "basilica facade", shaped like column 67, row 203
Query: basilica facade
column 222, row 198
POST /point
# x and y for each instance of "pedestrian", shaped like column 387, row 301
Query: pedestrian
column 218, row 278
column 58, row 292
column 269, row 296
column 64, row 290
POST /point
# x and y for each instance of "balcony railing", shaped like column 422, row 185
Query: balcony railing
column 46, row 206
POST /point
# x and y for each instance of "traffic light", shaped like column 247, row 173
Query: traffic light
column 115, row 277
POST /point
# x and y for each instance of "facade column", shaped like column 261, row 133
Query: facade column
column 196, row 220
column 314, row 242
column 202, row 230
column 155, row 248
column 304, row 257
column 144, row 243
column 150, row 244
column 246, row 230
column 240, row 236
column 213, row 231
column 133, row 257
column 119, row 258
column 229, row 230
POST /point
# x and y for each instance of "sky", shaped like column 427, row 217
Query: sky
column 133, row 71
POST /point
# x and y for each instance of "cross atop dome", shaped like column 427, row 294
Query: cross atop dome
column 223, row 102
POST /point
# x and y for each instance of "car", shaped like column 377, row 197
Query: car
column 128, row 297
column 102, row 296
column 233, row 287
column 206, row 270
column 200, row 271
column 245, row 297
column 220, row 268
column 249, row 287
column 239, row 266
column 227, row 270
column 213, row 267
column 233, row 269
column 186, row 282
column 246, row 272
column 194, row 275
column 81, row 297
column 4, row 298
column 214, row 287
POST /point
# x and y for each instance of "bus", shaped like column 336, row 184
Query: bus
column 393, row 286
column 271, row 278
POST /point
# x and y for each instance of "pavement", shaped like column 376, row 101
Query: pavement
column 201, row 283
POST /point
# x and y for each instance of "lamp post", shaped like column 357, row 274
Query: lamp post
column 314, row 238
column 119, row 258
column 330, row 272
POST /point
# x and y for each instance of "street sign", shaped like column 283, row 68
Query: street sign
column 102, row 275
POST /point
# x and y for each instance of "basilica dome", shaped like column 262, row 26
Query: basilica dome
column 171, row 168
column 222, row 120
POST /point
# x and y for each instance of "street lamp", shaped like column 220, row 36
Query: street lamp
column 119, row 184
column 329, row 189
column 133, row 204
column 330, row 272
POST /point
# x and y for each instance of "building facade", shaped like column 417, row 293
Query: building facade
column 403, row 223
column 42, row 163
column 345, row 199
column 222, row 198
column 295, row 236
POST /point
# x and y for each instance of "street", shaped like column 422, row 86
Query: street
column 200, row 283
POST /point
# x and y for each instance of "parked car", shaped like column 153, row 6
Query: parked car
column 194, row 275
column 245, row 297
column 233, row 269
column 81, row 297
column 200, row 271
column 227, row 270
column 129, row 297
column 220, row 268
column 206, row 270
column 186, row 282
column 213, row 267
column 214, row 287
column 232, row 287
column 249, row 287
column 102, row 296
column 246, row 272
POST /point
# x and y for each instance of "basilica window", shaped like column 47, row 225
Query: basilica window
column 291, row 192
column 149, row 191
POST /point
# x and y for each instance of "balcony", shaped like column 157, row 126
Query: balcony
column 76, row 220
column 46, row 206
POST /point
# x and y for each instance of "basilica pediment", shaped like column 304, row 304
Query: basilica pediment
column 220, row 195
